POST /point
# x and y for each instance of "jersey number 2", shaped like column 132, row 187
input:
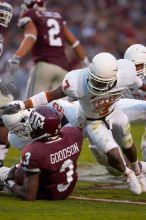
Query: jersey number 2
column 54, row 30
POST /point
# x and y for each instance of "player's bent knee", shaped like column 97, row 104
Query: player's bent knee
column 99, row 156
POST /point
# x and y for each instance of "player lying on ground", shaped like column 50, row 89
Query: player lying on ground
column 48, row 169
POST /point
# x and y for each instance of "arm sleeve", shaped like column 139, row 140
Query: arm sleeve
column 30, row 160
column 138, row 82
column 26, row 17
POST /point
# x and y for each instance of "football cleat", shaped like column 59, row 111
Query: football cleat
column 133, row 183
column 142, row 180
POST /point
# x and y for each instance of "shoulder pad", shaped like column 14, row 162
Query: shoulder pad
column 23, row 21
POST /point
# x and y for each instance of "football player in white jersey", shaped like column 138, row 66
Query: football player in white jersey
column 97, row 90
column 134, row 104
column 7, row 88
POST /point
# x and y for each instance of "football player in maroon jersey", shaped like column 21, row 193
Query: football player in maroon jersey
column 48, row 169
column 45, row 35
column 7, row 88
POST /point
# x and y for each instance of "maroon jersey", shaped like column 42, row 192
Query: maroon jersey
column 49, row 46
column 57, row 163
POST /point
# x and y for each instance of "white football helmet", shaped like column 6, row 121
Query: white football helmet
column 18, row 123
column 102, row 73
column 137, row 54
column 5, row 13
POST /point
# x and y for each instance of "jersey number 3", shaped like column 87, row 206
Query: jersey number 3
column 67, row 164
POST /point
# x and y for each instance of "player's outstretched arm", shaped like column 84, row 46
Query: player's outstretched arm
column 41, row 98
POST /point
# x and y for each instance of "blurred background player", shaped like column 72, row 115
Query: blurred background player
column 48, row 169
column 94, row 25
column 7, row 88
column 45, row 34
column 134, row 109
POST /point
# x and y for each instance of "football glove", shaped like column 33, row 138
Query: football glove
column 9, row 109
column 13, row 64
column 12, row 108
column 8, row 88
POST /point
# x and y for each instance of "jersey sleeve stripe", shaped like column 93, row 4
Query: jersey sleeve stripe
column 35, row 170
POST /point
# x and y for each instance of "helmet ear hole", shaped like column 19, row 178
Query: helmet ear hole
column 22, row 120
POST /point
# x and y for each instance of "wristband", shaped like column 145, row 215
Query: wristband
column 22, row 105
column 85, row 62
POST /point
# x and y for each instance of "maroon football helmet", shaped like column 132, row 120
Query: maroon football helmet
column 34, row 3
column 44, row 122
column 5, row 13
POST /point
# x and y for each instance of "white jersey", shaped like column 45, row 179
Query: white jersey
column 134, row 93
column 94, row 106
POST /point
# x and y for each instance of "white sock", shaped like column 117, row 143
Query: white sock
column 3, row 151
column 143, row 145
column 143, row 164
column 136, row 168
column 127, row 171
column 144, row 152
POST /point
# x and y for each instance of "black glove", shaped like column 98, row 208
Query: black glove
column 10, row 109
column 8, row 88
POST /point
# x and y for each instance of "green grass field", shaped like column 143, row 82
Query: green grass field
column 13, row 209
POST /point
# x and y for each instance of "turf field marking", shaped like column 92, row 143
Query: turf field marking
column 107, row 200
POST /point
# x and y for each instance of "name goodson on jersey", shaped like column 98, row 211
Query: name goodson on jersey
column 63, row 154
